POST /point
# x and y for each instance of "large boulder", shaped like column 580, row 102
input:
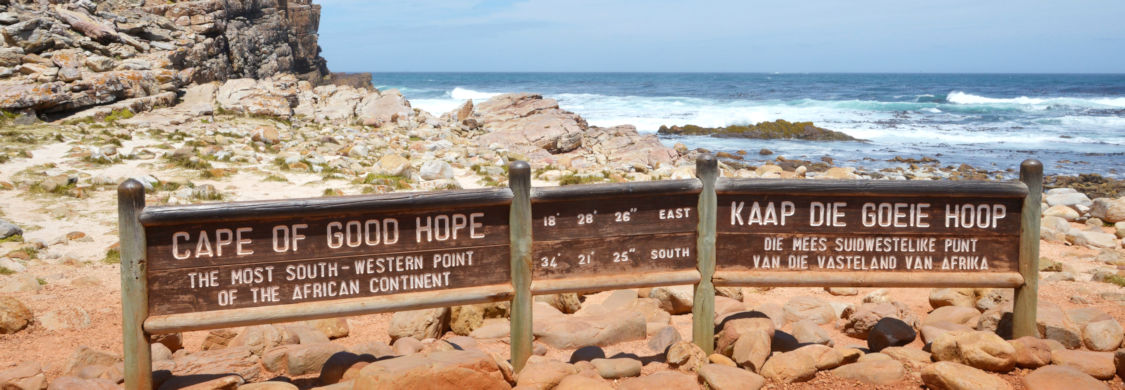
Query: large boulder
column 953, row 376
column 1073, row 199
column 525, row 122
column 983, row 350
column 249, row 96
column 751, row 349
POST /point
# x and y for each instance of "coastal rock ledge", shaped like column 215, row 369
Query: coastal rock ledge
column 779, row 129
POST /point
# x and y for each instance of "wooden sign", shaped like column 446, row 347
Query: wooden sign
column 890, row 227
column 204, row 258
column 614, row 229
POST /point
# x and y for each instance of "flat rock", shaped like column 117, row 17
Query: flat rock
column 875, row 372
column 1061, row 378
column 941, row 297
column 826, row 357
column 962, row 315
column 911, row 356
column 1096, row 364
column 22, row 376
column 953, row 376
column 720, row 377
column 435, row 370
column 602, row 330
column 674, row 299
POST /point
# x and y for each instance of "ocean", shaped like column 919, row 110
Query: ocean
column 1072, row 123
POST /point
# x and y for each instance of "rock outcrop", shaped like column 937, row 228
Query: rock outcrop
column 60, row 58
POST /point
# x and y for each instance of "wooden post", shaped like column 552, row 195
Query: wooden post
column 1027, row 295
column 519, row 225
column 703, row 305
column 134, row 285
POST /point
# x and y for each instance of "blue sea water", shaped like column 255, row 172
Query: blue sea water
column 1073, row 123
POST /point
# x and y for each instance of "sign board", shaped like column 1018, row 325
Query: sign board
column 614, row 229
column 202, row 258
column 230, row 264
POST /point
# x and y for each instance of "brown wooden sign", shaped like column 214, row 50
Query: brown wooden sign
column 202, row 258
column 892, row 227
column 612, row 229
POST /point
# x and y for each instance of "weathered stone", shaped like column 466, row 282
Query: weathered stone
column 260, row 338
column 86, row 356
column 933, row 331
column 875, row 372
column 669, row 380
column 218, row 339
column 1119, row 362
column 983, row 350
column 909, row 356
column 809, row 308
column 1063, row 212
column 22, row 376
column 544, row 374
column 1108, row 209
column 1070, row 199
column 617, row 368
column 890, row 332
column 1031, row 352
column 463, row 320
column 826, row 357
column 567, row 303
column 582, row 382
column 381, row 109
column 419, row 324
column 751, row 349
column 75, row 383
column 664, row 338
column 561, row 331
column 807, row 332
column 334, row 328
column 392, row 164
column 8, row 229
column 789, row 367
column 1054, row 324
column 14, row 316
column 1096, row 364
column 406, row 346
column 1104, row 335
column 842, row 291
column 962, row 315
column 863, row 318
column 1061, row 378
column 720, row 377
column 436, row 170
column 232, row 360
column 436, row 370
column 674, row 299
column 304, row 359
column 686, row 356
column 953, row 376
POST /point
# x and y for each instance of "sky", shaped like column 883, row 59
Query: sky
column 956, row 36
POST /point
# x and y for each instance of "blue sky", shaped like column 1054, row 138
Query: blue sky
column 1031, row 36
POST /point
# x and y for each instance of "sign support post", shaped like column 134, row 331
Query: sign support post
column 1027, row 295
column 134, row 285
column 519, row 180
column 703, row 305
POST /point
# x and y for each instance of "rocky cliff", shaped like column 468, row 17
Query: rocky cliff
column 59, row 57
